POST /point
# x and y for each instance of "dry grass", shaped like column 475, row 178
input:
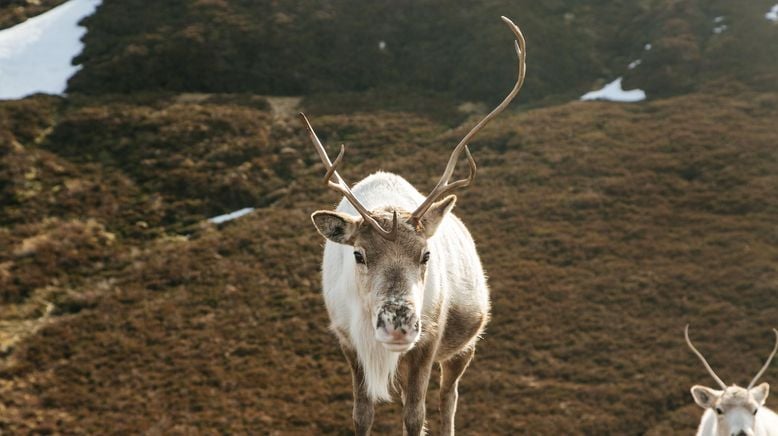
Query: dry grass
column 604, row 228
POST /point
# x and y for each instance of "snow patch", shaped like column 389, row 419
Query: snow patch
column 614, row 92
column 35, row 55
column 718, row 19
column 719, row 29
column 647, row 47
column 772, row 14
column 231, row 216
column 634, row 64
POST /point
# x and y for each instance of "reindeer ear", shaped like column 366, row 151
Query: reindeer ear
column 705, row 397
column 760, row 393
column 434, row 216
column 336, row 226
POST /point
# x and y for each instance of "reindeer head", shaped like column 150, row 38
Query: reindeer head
column 390, row 274
column 390, row 244
column 736, row 408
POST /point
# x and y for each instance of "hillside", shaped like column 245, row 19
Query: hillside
column 304, row 47
column 627, row 227
column 604, row 228
column 218, row 46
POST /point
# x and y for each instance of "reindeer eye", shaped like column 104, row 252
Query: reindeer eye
column 359, row 258
column 719, row 411
column 425, row 258
column 755, row 410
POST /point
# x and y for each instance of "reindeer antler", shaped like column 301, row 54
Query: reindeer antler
column 704, row 362
column 443, row 186
column 339, row 185
column 766, row 364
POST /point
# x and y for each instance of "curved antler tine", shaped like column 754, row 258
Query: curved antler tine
column 520, row 42
column 704, row 362
column 462, row 183
column 335, row 164
column 316, row 142
column 767, row 363
column 471, row 166
column 443, row 185
column 393, row 233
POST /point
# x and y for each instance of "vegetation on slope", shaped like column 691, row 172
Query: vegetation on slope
column 303, row 47
column 598, row 212
column 13, row 12
column 604, row 228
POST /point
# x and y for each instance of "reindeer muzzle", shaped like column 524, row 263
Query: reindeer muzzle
column 397, row 328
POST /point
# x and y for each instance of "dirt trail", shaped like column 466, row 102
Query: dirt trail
column 284, row 107
column 19, row 322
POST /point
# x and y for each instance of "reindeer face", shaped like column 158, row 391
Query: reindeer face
column 390, row 274
column 736, row 408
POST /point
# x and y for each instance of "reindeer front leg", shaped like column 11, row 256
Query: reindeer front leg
column 414, row 378
column 363, row 405
column 450, row 373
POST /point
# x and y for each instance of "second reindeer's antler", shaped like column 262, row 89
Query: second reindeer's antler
column 702, row 358
column 767, row 363
column 340, row 185
column 443, row 187
column 716, row 377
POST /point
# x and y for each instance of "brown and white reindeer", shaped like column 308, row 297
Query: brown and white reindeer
column 403, row 284
column 733, row 410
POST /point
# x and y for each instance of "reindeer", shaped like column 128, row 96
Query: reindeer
column 734, row 411
column 403, row 285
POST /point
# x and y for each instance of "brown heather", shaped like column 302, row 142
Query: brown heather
column 604, row 228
